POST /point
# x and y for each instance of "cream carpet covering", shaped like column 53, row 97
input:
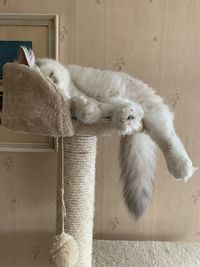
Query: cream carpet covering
column 107, row 253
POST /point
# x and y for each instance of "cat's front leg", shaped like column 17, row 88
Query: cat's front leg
column 84, row 109
column 158, row 121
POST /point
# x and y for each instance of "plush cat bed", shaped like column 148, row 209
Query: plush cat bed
column 32, row 104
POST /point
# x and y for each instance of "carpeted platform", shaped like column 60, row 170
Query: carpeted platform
column 107, row 253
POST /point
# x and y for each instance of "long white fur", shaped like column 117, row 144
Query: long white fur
column 137, row 160
column 128, row 101
column 158, row 118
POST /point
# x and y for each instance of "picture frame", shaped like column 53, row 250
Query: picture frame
column 42, row 31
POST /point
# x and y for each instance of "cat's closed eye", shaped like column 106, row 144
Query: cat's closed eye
column 51, row 74
column 53, row 78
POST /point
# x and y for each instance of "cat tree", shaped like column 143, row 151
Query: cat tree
column 32, row 104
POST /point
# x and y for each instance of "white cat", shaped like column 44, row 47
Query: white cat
column 129, row 103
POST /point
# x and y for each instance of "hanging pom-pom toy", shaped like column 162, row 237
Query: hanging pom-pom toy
column 63, row 252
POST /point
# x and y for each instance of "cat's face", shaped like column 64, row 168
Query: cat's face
column 51, row 68
column 57, row 72
column 49, row 71
column 46, row 66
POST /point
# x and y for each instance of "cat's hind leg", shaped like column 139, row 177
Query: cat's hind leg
column 158, row 121
column 85, row 110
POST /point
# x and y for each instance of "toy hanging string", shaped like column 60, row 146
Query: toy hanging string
column 62, row 188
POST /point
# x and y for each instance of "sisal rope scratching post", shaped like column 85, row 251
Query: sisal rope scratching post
column 79, row 185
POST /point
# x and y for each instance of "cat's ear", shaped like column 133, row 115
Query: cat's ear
column 26, row 57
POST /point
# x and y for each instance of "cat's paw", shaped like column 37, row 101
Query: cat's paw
column 85, row 110
column 128, row 118
column 179, row 164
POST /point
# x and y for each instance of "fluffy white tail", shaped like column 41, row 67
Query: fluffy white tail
column 137, row 159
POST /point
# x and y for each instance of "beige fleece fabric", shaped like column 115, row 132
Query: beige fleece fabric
column 32, row 103
column 107, row 253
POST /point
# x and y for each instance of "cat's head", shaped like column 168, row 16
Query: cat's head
column 50, row 68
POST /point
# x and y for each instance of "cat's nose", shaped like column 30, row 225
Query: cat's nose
column 130, row 117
